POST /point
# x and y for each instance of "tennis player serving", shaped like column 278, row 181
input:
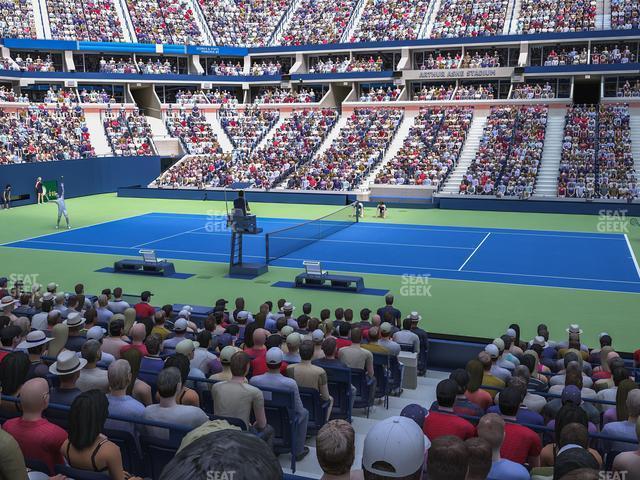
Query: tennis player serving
column 62, row 207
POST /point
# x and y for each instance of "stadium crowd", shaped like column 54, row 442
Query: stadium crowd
column 318, row 22
column 222, row 96
column 434, row 92
column 440, row 61
column 196, row 171
column 18, row 20
column 164, row 21
column 283, row 95
column 28, row 64
column 577, row 177
column 96, row 96
column 189, row 97
column 360, row 145
column 518, row 410
column 190, row 126
column 128, row 132
column 346, row 64
column 380, row 94
column 8, row 95
column 389, row 20
column 529, row 91
column 95, row 20
column 469, row 18
column 41, row 134
column 629, row 89
column 625, row 14
column 564, row 57
column 541, row 16
column 605, row 55
column 474, row 92
column 246, row 127
column 117, row 66
column 156, row 68
column 225, row 68
column 431, row 149
column 247, row 23
column 263, row 68
column 509, row 153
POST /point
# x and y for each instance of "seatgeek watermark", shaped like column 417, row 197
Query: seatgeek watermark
column 621, row 475
column 615, row 221
column 221, row 475
column 216, row 221
column 413, row 285
column 24, row 280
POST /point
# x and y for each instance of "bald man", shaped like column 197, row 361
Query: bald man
column 491, row 428
column 138, row 333
column 38, row 438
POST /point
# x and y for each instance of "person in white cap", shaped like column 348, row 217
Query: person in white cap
column 35, row 344
column 293, row 344
column 386, row 341
column 98, row 333
column 225, row 359
column 180, row 332
column 67, row 368
column 406, row 336
column 274, row 379
column 394, row 448
column 287, row 310
column 497, row 371
column 317, row 337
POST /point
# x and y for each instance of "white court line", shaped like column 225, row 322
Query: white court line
column 72, row 229
column 347, row 241
column 454, row 229
column 474, row 252
column 167, row 237
column 633, row 255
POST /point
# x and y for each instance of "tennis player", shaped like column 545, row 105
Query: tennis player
column 382, row 210
column 39, row 188
column 62, row 207
column 6, row 197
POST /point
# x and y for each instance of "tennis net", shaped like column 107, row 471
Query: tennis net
column 282, row 242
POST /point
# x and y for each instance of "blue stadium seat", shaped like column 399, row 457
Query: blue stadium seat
column 279, row 406
column 158, row 453
column 132, row 460
column 37, row 465
column 316, row 406
column 395, row 369
column 363, row 384
column 382, row 373
column 78, row 474
column 339, row 382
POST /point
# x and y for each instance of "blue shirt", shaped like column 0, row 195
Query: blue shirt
column 279, row 381
column 507, row 470
column 624, row 429
column 125, row 406
column 524, row 415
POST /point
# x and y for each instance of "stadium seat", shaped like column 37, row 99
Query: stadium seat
column 131, row 456
column 339, row 382
column 363, row 384
column 316, row 406
column 279, row 406
column 382, row 373
column 37, row 465
column 158, row 453
column 78, row 474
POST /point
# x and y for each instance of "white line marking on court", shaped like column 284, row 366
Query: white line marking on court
column 474, row 252
column 346, row 241
column 72, row 229
column 633, row 255
column 167, row 237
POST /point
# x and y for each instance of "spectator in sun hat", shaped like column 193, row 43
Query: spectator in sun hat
column 406, row 336
column 394, row 448
column 288, row 309
column 76, row 339
column 143, row 309
column 574, row 331
column 7, row 304
column 67, row 368
column 35, row 344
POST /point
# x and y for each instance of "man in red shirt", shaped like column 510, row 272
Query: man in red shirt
column 38, row 438
column 143, row 309
column 443, row 421
column 343, row 340
column 521, row 444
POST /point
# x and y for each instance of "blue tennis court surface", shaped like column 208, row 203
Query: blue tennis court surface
column 525, row 257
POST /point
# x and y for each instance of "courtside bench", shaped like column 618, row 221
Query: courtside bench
column 315, row 277
column 148, row 265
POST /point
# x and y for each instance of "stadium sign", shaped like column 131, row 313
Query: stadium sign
column 455, row 73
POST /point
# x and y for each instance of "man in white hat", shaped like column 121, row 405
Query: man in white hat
column 98, row 333
column 394, row 448
column 274, row 379
column 386, row 340
column 225, row 359
column 497, row 371
column 179, row 334
column 293, row 344
column 35, row 344
column 406, row 335
column 7, row 304
column 187, row 347
column 67, row 368
column 76, row 339
column 287, row 310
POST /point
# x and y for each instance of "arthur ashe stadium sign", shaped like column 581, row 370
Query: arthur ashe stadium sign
column 444, row 74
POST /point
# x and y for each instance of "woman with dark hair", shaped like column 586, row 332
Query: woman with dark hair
column 474, row 393
column 14, row 370
column 516, row 341
column 87, row 448
column 619, row 413
column 186, row 396
column 569, row 413
column 248, row 335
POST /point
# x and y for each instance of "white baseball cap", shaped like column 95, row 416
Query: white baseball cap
column 180, row 325
column 492, row 350
column 274, row 356
column 96, row 333
column 317, row 335
column 397, row 441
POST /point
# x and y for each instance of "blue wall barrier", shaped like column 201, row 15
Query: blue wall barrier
column 538, row 206
column 252, row 196
column 81, row 177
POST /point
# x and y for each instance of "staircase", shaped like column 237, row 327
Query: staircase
column 125, row 20
column 269, row 136
column 354, row 20
column 283, row 25
column 333, row 134
column 202, row 22
column 40, row 11
column 547, row 179
column 452, row 185
column 603, row 14
column 427, row 26
column 511, row 20
column 223, row 139
column 396, row 144
column 97, row 134
column 164, row 143
column 634, row 126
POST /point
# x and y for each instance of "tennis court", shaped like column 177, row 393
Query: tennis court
column 525, row 257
